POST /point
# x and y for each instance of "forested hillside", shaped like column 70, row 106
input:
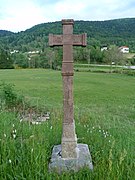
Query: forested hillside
column 111, row 33
column 5, row 33
column 119, row 32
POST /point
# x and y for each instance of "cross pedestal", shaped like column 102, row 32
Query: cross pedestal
column 69, row 152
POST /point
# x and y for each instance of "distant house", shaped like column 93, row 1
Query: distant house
column 14, row 51
column 33, row 52
column 124, row 49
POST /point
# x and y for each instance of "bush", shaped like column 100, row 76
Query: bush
column 129, row 72
column 9, row 97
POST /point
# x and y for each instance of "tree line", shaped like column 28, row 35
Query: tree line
column 52, row 57
column 117, row 32
column 111, row 33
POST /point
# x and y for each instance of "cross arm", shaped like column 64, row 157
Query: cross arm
column 80, row 40
column 55, row 40
column 71, row 39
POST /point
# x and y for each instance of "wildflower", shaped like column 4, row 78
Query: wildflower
column 32, row 150
column 14, row 136
column 99, row 130
column 9, row 161
column 51, row 127
column 13, row 125
column 5, row 135
column 13, row 133
column 93, row 127
column 107, row 134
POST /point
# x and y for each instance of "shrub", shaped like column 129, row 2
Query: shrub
column 9, row 97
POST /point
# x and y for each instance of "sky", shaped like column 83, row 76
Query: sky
column 19, row 15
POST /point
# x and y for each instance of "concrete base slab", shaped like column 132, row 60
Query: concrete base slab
column 59, row 164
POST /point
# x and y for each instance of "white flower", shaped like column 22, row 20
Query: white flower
column 32, row 150
column 51, row 127
column 5, row 135
column 13, row 125
column 14, row 136
column 9, row 161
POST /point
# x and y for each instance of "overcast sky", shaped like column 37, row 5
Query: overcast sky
column 19, row 15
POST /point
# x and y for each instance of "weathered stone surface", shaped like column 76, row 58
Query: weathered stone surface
column 59, row 164
column 69, row 141
column 68, row 100
column 34, row 118
column 70, row 152
column 75, row 40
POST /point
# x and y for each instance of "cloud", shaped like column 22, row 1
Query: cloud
column 17, row 15
column 65, row 9
column 21, row 15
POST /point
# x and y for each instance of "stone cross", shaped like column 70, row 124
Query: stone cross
column 68, row 40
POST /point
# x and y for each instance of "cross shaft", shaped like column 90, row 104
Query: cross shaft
column 68, row 40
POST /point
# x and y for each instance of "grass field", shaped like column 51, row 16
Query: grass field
column 104, row 106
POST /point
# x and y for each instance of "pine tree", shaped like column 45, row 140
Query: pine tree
column 6, row 61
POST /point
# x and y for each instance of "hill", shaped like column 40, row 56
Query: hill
column 5, row 33
column 119, row 32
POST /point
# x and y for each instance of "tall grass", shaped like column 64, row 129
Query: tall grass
column 105, row 120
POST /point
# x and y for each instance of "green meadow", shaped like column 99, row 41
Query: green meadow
column 104, row 112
